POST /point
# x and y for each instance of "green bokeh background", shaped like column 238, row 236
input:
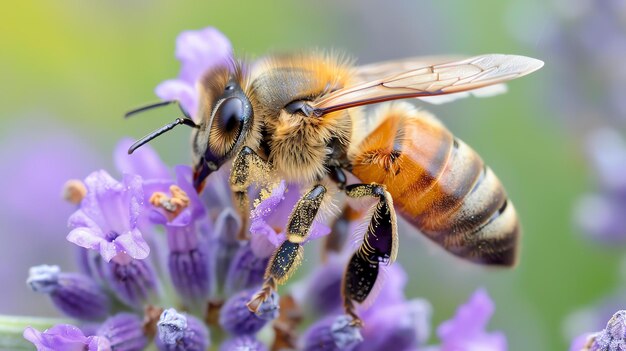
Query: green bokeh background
column 84, row 63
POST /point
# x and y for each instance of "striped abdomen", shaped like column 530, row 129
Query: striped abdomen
column 440, row 185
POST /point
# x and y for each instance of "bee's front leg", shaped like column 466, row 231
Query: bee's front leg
column 248, row 167
column 380, row 245
column 288, row 256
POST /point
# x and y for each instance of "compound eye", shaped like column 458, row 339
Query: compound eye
column 227, row 125
column 230, row 114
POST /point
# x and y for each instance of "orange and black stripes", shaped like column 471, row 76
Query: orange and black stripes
column 440, row 185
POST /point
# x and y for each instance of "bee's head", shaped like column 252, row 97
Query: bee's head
column 226, row 114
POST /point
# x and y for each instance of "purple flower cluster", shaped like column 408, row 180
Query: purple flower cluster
column 148, row 242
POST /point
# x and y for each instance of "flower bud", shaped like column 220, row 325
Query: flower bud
column 332, row 334
column 190, row 273
column 124, row 332
column 246, row 270
column 181, row 332
column 132, row 281
column 225, row 245
column 76, row 295
column 237, row 319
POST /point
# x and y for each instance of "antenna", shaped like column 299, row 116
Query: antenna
column 186, row 121
column 157, row 105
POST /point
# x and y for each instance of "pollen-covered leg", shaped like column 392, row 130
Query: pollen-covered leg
column 248, row 167
column 288, row 256
column 380, row 245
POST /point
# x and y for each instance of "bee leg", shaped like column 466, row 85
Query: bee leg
column 246, row 163
column 380, row 245
column 288, row 256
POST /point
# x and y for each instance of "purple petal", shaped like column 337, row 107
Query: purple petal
column 144, row 161
column 264, row 239
column 133, row 244
column 87, row 238
column 134, row 197
column 62, row 337
column 272, row 214
column 98, row 343
column 318, row 230
column 114, row 206
column 465, row 331
column 100, row 187
column 176, row 89
column 405, row 324
column 323, row 286
column 470, row 319
column 80, row 219
column 276, row 208
column 182, row 234
column 200, row 50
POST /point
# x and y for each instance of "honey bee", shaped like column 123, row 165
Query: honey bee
column 302, row 117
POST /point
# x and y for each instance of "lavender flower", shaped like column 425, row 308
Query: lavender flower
column 332, row 334
column 246, row 270
column 184, row 218
column 225, row 248
column 466, row 331
column 124, row 332
column 323, row 288
column 133, row 281
column 180, row 332
column 76, row 295
column 65, row 337
column 107, row 219
column 237, row 319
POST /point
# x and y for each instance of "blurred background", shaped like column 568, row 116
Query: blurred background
column 71, row 69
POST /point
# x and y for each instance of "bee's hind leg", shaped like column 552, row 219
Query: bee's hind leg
column 246, row 164
column 380, row 245
column 288, row 256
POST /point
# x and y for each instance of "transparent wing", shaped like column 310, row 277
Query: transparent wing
column 378, row 70
column 432, row 80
